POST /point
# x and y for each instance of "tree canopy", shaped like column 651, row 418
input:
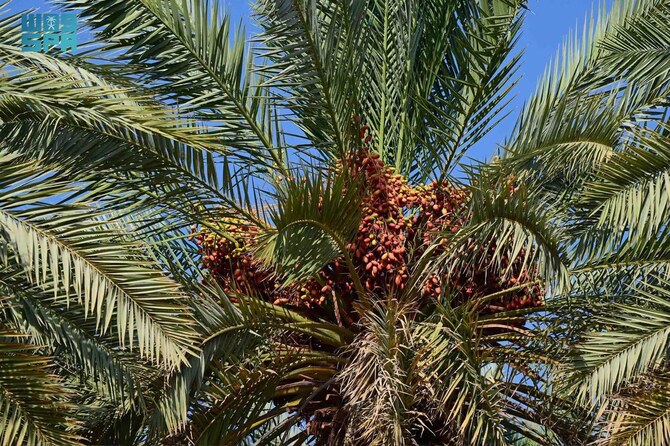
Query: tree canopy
column 213, row 238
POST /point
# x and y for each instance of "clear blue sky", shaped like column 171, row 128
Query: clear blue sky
column 546, row 24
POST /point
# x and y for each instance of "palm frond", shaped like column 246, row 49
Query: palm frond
column 315, row 51
column 563, row 128
column 200, row 69
column 76, row 249
column 629, row 192
column 313, row 221
column 379, row 384
column 33, row 406
column 640, row 415
column 634, row 341
column 512, row 219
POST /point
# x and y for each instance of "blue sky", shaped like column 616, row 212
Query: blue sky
column 546, row 24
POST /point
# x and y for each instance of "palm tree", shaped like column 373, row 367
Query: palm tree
column 349, row 280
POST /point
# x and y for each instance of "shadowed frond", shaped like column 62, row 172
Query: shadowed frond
column 640, row 415
column 314, row 219
column 33, row 410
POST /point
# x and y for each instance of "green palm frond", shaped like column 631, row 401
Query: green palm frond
column 112, row 281
column 230, row 334
column 474, row 82
column 313, row 221
column 79, row 251
column 33, row 405
column 39, row 87
column 226, row 334
column 66, row 122
column 634, row 341
column 236, row 399
column 638, row 46
column 202, row 71
column 607, row 253
column 438, row 76
column 316, row 51
column 514, row 220
column 120, row 375
column 584, row 105
column 433, row 79
column 629, row 191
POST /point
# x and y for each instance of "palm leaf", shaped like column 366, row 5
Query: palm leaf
column 314, row 220
column 641, row 414
column 33, row 409
column 200, row 69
